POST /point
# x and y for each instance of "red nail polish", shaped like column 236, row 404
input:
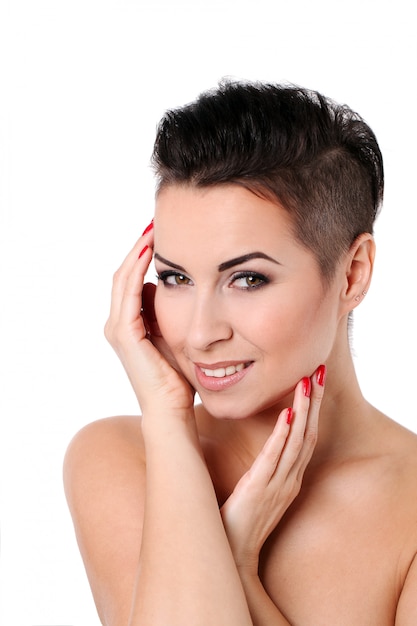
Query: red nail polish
column 142, row 252
column 307, row 387
column 321, row 375
column 290, row 414
column 148, row 228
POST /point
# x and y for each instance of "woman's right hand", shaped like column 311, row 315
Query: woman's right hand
column 263, row 495
column 132, row 331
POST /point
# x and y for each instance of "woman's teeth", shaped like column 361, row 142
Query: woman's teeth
column 224, row 371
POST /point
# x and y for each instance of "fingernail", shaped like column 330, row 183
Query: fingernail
column 148, row 228
column 321, row 375
column 142, row 252
column 289, row 415
column 307, row 387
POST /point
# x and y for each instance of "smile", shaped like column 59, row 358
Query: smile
column 221, row 377
column 221, row 372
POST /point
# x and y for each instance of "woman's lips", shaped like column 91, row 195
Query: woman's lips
column 221, row 376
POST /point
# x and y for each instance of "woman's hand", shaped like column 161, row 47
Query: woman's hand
column 265, row 492
column 133, row 332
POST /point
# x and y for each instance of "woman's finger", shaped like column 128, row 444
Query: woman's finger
column 291, row 443
column 123, row 274
column 312, row 425
column 302, row 438
column 267, row 461
column 131, row 300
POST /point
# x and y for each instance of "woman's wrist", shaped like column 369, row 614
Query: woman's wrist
column 249, row 571
column 262, row 609
column 158, row 420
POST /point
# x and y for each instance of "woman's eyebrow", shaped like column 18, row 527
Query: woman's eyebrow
column 245, row 257
column 169, row 263
column 223, row 266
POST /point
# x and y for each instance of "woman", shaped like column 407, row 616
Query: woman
column 284, row 497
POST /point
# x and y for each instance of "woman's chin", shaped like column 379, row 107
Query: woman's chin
column 240, row 410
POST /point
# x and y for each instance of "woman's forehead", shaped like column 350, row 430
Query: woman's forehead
column 220, row 204
column 221, row 223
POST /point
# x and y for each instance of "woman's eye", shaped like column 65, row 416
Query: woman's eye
column 249, row 280
column 173, row 279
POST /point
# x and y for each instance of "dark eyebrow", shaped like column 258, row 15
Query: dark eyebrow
column 223, row 266
column 169, row 263
column 245, row 257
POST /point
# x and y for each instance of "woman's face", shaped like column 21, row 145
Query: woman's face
column 239, row 301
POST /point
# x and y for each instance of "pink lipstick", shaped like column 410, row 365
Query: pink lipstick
column 221, row 376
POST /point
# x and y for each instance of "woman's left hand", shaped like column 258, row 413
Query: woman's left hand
column 264, row 493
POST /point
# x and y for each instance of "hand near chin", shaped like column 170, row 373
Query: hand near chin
column 133, row 332
column 265, row 492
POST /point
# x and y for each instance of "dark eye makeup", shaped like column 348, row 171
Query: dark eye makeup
column 249, row 280
column 173, row 279
column 245, row 280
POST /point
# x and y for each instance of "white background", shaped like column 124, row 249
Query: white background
column 82, row 86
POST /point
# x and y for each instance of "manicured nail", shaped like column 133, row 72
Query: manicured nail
column 321, row 375
column 148, row 228
column 307, row 387
column 142, row 252
column 289, row 415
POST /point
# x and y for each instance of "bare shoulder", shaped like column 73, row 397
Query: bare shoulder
column 100, row 455
column 401, row 446
column 103, row 437
column 405, row 446
column 392, row 466
column 391, row 485
column 104, row 479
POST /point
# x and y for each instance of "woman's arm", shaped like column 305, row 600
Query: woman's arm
column 186, row 572
column 262, row 609
column 265, row 492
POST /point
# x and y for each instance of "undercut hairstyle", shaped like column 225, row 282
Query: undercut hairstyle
column 317, row 159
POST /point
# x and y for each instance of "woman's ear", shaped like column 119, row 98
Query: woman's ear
column 358, row 271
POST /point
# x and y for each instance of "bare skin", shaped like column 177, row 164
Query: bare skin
column 313, row 528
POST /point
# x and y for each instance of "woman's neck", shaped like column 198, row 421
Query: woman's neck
column 344, row 416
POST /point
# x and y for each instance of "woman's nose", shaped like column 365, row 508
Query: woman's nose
column 209, row 323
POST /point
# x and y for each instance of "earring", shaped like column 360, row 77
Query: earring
column 359, row 297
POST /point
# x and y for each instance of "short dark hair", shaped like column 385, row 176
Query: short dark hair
column 318, row 159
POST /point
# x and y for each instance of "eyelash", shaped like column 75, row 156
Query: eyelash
column 264, row 280
column 164, row 276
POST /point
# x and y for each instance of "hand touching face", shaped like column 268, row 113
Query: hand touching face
column 240, row 303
